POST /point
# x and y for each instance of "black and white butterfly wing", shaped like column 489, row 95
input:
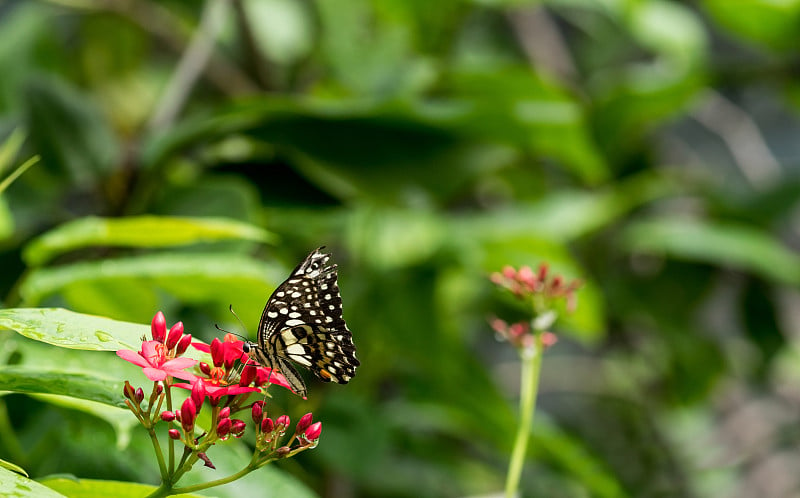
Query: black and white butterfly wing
column 302, row 322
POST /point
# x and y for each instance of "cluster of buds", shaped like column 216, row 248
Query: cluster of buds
column 524, row 283
column 269, row 433
column 519, row 334
column 542, row 290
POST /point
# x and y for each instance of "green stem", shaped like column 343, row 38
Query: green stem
column 529, row 386
column 218, row 482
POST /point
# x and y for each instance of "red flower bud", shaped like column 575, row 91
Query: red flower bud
column 217, row 352
column 167, row 416
column 205, row 368
column 283, row 420
column 198, row 393
column 159, row 389
column 174, row 434
column 188, row 414
column 224, row 427
column 158, row 327
column 542, row 275
column 138, row 395
column 313, row 432
column 267, row 425
column 128, row 391
column 509, row 271
column 225, row 412
column 175, row 334
column 237, row 427
column 257, row 412
column 204, row 458
column 303, row 424
column 248, row 375
column 183, row 344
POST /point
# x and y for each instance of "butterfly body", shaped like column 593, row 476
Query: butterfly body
column 302, row 322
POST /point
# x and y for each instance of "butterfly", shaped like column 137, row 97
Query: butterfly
column 302, row 322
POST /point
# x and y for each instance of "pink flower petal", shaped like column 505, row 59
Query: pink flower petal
column 133, row 357
column 182, row 374
column 179, row 363
column 154, row 374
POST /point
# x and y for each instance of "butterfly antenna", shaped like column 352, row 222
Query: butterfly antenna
column 230, row 308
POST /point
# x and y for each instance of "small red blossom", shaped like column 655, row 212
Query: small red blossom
column 156, row 362
column 267, row 425
column 174, row 434
column 225, row 351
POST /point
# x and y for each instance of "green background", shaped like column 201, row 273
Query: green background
column 192, row 153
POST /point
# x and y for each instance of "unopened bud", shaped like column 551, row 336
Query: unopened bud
column 175, row 334
column 267, row 425
column 313, row 432
column 303, row 423
column 183, row 344
column 139, row 395
column 205, row 368
column 167, row 416
column 224, row 427
column 198, row 394
column 237, row 427
column 257, row 412
column 225, row 412
column 174, row 434
column 128, row 391
column 158, row 327
column 188, row 414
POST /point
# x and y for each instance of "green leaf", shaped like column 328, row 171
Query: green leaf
column 194, row 278
column 121, row 419
column 716, row 243
column 14, row 484
column 68, row 329
column 92, row 488
column 13, row 467
column 137, row 231
column 69, row 130
column 84, row 386
column 768, row 23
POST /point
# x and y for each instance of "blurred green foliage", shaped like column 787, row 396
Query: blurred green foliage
column 193, row 152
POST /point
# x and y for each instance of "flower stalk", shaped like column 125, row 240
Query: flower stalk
column 542, row 294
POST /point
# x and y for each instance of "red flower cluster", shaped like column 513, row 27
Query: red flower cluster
column 220, row 381
column 525, row 283
column 541, row 290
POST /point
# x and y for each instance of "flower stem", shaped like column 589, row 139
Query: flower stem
column 529, row 386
